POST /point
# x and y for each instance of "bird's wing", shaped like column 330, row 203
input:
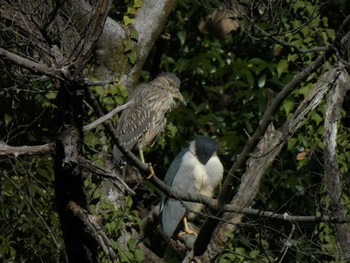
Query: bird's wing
column 179, row 177
column 133, row 123
column 174, row 167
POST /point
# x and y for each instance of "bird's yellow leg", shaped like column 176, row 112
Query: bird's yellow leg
column 152, row 173
column 187, row 230
column 141, row 156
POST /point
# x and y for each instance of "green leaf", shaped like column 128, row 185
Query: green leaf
column 51, row 95
column 127, row 45
column 291, row 144
column 127, row 20
column 288, row 106
column 292, row 57
column 182, row 37
column 132, row 244
column 317, row 118
column 131, row 11
column 8, row 118
column 138, row 3
column 173, row 130
column 139, row 255
column 132, row 57
column 109, row 101
column 119, row 100
column 101, row 91
column 134, row 35
column 262, row 81
column 282, row 67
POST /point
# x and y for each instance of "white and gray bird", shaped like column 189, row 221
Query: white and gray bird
column 196, row 169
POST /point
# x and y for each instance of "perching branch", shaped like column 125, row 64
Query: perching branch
column 49, row 148
column 213, row 204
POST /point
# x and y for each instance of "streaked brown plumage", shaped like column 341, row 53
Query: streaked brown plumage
column 140, row 125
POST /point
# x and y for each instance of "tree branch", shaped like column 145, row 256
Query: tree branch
column 213, row 203
column 90, row 166
column 94, row 229
column 107, row 117
column 94, row 30
column 32, row 66
column 26, row 150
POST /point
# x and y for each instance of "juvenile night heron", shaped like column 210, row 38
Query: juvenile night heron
column 140, row 125
column 196, row 169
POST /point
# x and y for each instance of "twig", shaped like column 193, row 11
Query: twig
column 107, row 117
column 90, row 83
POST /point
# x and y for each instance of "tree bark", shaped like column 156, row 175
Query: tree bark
column 332, row 174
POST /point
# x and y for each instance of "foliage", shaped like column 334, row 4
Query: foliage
column 29, row 226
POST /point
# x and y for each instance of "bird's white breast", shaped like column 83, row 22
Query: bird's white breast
column 194, row 177
column 209, row 176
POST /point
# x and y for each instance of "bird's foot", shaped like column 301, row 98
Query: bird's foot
column 152, row 173
column 187, row 231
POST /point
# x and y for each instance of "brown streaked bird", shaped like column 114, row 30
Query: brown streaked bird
column 140, row 125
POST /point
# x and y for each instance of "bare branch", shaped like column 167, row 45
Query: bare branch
column 213, row 204
column 90, row 83
column 38, row 214
column 35, row 67
column 26, row 150
column 107, row 117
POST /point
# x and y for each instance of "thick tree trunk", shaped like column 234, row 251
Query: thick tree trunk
column 69, row 187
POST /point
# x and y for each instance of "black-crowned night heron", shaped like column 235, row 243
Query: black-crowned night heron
column 196, row 169
column 140, row 125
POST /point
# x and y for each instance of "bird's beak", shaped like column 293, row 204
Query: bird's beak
column 179, row 96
